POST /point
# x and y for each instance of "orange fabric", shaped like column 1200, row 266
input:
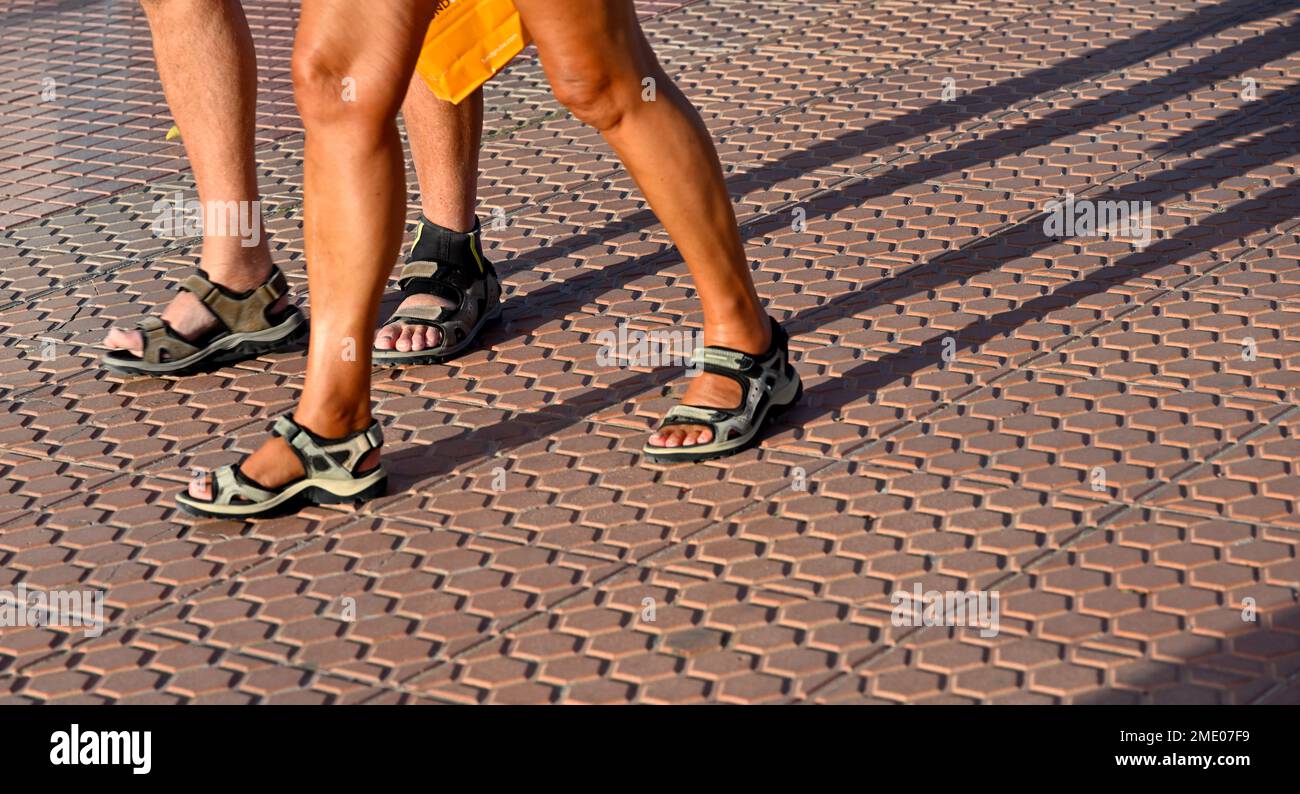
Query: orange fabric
column 468, row 42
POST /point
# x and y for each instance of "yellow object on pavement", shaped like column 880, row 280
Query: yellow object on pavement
column 173, row 133
column 467, row 43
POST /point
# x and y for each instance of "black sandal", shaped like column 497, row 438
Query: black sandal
column 452, row 266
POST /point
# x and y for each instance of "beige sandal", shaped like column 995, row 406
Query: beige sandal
column 332, row 476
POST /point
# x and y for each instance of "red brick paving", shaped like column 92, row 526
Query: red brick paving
column 1104, row 435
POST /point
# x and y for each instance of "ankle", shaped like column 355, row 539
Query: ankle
column 240, row 269
column 332, row 422
column 450, row 221
column 740, row 332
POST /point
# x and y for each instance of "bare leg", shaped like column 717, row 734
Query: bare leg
column 596, row 58
column 206, row 61
column 445, row 140
column 355, row 193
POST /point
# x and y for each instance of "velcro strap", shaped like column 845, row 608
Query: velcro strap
column 159, row 339
column 286, row 428
column 692, row 414
column 428, row 314
column 722, row 358
column 246, row 313
column 228, row 486
column 448, row 280
column 419, row 270
column 224, row 485
column 339, row 457
column 374, row 435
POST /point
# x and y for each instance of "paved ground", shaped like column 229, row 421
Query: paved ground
column 1102, row 433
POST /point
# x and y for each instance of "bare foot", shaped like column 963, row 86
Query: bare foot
column 713, row 391
column 412, row 336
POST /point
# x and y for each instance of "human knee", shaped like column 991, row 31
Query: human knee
column 334, row 89
column 597, row 95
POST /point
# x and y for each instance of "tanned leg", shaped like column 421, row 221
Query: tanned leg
column 596, row 58
column 205, row 58
column 355, row 197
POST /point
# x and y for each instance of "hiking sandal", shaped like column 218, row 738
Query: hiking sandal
column 769, row 385
column 450, row 265
column 245, row 329
column 331, row 476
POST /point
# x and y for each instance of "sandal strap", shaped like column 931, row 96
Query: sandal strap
column 239, row 312
column 328, row 458
column 685, row 413
column 227, row 485
column 694, row 414
column 437, row 270
column 430, row 315
column 723, row 358
column 158, row 338
column 720, row 420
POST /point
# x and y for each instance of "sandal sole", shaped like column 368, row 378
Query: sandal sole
column 306, row 496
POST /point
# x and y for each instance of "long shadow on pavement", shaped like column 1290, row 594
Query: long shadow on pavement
column 981, row 255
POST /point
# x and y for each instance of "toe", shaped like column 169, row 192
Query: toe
column 417, row 338
column 432, row 336
column 385, row 337
column 201, row 488
column 404, row 340
column 121, row 339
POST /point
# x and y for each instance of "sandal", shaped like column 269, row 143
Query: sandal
column 245, row 329
column 331, row 476
column 452, row 266
column 769, row 385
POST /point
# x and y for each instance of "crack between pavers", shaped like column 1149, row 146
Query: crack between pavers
column 1277, row 687
column 1179, row 478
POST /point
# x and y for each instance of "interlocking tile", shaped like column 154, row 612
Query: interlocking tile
column 1099, row 430
column 1158, row 607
